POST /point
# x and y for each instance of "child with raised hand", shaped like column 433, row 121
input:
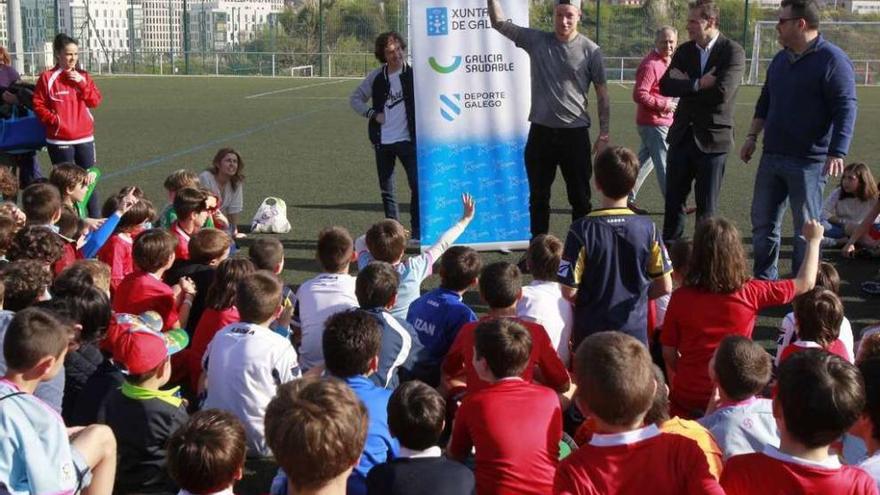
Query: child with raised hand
column 386, row 241
column 316, row 429
column 616, row 387
column 513, row 426
column 817, row 314
column 438, row 315
column 542, row 301
column 740, row 420
column 207, row 454
column 116, row 252
column 719, row 298
column 220, row 311
column 826, row 278
column 849, row 204
column 37, row 453
column 820, row 397
column 416, row 417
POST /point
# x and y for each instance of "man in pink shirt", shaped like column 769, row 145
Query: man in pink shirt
column 653, row 111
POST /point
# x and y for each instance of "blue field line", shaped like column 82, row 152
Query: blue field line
column 137, row 167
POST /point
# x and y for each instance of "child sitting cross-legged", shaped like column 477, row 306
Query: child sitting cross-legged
column 500, row 287
column 438, row 315
column 616, row 387
column 246, row 361
column 316, row 429
column 513, row 425
column 328, row 293
column 206, row 455
column 416, row 415
column 140, row 413
column 741, row 421
column 116, row 252
column 818, row 315
column 37, row 453
column 143, row 289
column 820, row 396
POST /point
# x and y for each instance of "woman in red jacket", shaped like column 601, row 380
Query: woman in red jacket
column 62, row 100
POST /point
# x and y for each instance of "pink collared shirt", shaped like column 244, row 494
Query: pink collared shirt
column 650, row 104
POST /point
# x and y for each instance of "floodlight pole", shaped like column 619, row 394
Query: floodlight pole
column 598, row 11
column 746, row 25
column 185, row 39
column 321, row 37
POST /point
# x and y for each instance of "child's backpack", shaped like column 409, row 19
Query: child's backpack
column 271, row 217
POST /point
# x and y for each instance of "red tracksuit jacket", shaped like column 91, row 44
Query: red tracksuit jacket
column 63, row 106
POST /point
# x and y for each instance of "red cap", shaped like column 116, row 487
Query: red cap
column 139, row 348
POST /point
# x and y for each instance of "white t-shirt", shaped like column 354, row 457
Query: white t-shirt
column 231, row 200
column 244, row 364
column 395, row 127
column 787, row 336
column 317, row 300
column 543, row 303
column 871, row 465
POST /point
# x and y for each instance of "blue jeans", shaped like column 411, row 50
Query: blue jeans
column 82, row 155
column 781, row 180
column 652, row 155
column 386, row 154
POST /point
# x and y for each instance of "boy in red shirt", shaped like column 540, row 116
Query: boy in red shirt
column 143, row 290
column 116, row 252
column 515, row 426
column 41, row 204
column 500, row 287
column 820, row 397
column 193, row 207
column 616, row 387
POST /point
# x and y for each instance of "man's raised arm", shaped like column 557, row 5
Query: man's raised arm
column 496, row 15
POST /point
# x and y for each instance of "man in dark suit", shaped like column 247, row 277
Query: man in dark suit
column 705, row 73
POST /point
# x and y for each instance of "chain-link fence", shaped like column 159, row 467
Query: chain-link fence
column 334, row 38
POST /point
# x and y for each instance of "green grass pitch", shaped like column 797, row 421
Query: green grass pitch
column 300, row 141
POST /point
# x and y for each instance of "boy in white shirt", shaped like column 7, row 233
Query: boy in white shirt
column 542, row 300
column 247, row 361
column 325, row 295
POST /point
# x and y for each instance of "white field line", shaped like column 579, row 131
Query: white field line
column 296, row 88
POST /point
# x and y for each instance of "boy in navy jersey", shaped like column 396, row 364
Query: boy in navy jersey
column 438, row 315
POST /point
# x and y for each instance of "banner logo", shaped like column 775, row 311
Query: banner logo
column 450, row 108
column 445, row 69
column 438, row 21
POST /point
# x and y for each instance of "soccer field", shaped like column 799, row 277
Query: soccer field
column 300, row 141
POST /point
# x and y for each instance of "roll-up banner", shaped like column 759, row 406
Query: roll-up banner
column 472, row 104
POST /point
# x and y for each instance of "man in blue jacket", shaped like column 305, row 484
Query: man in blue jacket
column 392, row 121
column 807, row 111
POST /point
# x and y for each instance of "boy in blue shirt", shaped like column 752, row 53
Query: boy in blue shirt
column 36, row 454
column 351, row 343
column 437, row 315
column 376, row 290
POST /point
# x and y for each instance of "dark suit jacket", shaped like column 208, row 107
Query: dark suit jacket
column 709, row 111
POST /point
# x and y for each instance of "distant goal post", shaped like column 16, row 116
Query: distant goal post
column 302, row 71
column 859, row 39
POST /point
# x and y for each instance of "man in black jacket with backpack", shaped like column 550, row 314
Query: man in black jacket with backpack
column 392, row 122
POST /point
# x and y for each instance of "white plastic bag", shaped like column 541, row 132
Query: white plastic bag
column 271, row 217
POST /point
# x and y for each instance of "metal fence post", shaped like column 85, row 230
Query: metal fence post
column 273, row 64
column 216, row 64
